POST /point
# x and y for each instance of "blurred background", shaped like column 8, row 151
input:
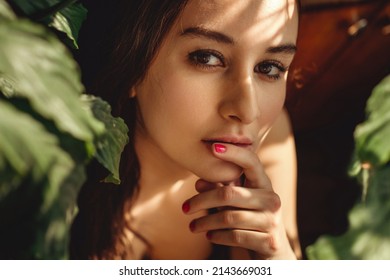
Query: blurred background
column 344, row 52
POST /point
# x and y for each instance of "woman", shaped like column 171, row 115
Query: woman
column 199, row 83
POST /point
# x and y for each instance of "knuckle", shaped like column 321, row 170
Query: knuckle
column 228, row 218
column 271, row 242
column 269, row 247
column 238, row 237
column 275, row 202
column 226, row 194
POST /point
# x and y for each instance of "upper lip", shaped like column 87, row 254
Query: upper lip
column 235, row 140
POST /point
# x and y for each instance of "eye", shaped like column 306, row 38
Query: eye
column 271, row 69
column 206, row 58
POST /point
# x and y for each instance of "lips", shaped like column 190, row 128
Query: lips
column 233, row 140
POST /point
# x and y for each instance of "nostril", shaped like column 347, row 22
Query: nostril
column 235, row 118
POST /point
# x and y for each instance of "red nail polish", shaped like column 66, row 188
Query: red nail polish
column 209, row 234
column 186, row 207
column 192, row 226
column 219, row 148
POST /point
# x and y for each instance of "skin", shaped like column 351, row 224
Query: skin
column 278, row 155
column 210, row 96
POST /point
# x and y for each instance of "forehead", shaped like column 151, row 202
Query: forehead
column 244, row 18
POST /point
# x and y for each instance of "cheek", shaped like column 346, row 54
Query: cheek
column 169, row 99
column 188, row 95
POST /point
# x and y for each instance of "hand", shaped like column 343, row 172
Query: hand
column 249, row 213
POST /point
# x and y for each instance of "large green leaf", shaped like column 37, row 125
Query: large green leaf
column 110, row 145
column 40, row 68
column 5, row 10
column 372, row 136
column 53, row 238
column 368, row 235
column 48, row 133
column 41, row 8
column 21, row 141
column 69, row 21
column 64, row 15
column 34, row 175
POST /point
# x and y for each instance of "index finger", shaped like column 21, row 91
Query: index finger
column 247, row 160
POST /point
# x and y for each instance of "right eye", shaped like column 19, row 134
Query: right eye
column 206, row 59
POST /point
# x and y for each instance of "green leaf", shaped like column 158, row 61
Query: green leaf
column 39, row 184
column 30, row 150
column 111, row 144
column 69, row 21
column 5, row 10
column 47, row 135
column 39, row 168
column 63, row 15
column 21, row 141
column 368, row 236
column 40, row 68
column 33, row 8
column 372, row 136
column 53, row 239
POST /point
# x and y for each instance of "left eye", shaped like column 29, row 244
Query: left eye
column 272, row 69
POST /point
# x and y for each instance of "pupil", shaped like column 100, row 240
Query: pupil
column 203, row 58
column 265, row 68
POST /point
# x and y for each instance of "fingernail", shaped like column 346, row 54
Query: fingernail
column 192, row 226
column 209, row 234
column 219, row 148
column 185, row 207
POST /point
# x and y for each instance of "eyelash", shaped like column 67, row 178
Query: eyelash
column 196, row 56
column 272, row 63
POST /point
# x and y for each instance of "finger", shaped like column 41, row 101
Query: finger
column 204, row 186
column 247, row 160
column 265, row 244
column 238, row 219
column 239, row 197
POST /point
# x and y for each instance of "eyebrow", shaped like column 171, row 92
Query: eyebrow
column 219, row 37
column 284, row 48
column 208, row 34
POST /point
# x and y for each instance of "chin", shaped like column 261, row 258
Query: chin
column 223, row 173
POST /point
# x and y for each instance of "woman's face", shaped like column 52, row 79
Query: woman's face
column 219, row 76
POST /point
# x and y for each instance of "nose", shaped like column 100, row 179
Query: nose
column 240, row 101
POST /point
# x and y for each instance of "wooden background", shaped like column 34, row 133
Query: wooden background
column 343, row 52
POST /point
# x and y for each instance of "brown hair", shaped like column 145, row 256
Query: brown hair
column 137, row 32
